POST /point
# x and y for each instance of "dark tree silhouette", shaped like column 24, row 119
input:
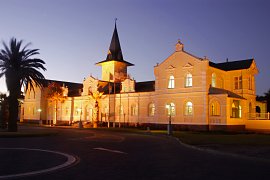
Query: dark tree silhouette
column 267, row 98
column 20, row 70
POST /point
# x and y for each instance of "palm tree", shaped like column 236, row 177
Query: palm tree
column 20, row 70
column 56, row 94
column 96, row 96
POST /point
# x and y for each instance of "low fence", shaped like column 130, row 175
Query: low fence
column 259, row 116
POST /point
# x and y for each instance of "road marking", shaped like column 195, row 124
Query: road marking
column 70, row 161
column 110, row 150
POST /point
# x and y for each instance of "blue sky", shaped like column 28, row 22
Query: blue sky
column 73, row 35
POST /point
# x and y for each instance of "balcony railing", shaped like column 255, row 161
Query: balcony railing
column 259, row 116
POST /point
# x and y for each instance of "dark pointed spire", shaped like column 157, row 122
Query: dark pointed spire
column 115, row 52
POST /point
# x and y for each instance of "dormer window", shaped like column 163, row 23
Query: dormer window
column 171, row 82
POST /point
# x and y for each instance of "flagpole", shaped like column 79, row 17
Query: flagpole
column 109, row 103
column 114, row 100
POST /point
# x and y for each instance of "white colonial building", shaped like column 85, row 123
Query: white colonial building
column 195, row 93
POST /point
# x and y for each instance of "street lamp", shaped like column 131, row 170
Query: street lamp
column 80, row 122
column 169, row 127
column 39, row 111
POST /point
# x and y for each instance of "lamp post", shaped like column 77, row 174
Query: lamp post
column 39, row 111
column 169, row 127
column 80, row 122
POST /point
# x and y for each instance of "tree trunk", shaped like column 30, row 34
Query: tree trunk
column 13, row 114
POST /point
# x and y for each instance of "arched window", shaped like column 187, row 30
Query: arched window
column 171, row 82
column 214, row 80
column 151, row 109
column 215, row 109
column 134, row 110
column 170, row 109
column 188, row 108
column 188, row 81
column 258, row 109
column 236, row 109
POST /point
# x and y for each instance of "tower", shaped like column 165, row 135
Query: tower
column 114, row 68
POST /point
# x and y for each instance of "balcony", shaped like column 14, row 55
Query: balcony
column 259, row 116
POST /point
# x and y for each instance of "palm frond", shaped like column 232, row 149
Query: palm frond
column 18, row 66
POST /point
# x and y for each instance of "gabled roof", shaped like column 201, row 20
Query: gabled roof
column 74, row 89
column 214, row 90
column 115, row 52
column 146, row 86
column 232, row 65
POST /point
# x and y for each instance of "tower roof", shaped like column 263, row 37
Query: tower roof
column 115, row 51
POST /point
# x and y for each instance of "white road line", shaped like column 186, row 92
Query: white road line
column 70, row 160
column 110, row 150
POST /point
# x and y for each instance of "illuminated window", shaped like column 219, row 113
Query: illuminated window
column 121, row 110
column 170, row 109
column 188, row 109
column 134, row 110
column 236, row 109
column 188, row 82
column 171, row 82
column 151, row 109
column 238, row 82
column 214, row 77
column 215, row 109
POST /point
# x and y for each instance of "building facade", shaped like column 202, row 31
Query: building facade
column 192, row 92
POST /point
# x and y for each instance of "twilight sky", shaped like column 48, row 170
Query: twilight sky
column 73, row 35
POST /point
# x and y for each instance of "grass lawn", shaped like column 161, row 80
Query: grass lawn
column 221, row 138
column 27, row 133
column 207, row 138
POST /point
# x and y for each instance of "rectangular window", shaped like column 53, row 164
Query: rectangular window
column 188, row 82
column 171, row 82
column 238, row 82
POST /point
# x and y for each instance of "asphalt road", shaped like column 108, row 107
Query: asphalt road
column 117, row 155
